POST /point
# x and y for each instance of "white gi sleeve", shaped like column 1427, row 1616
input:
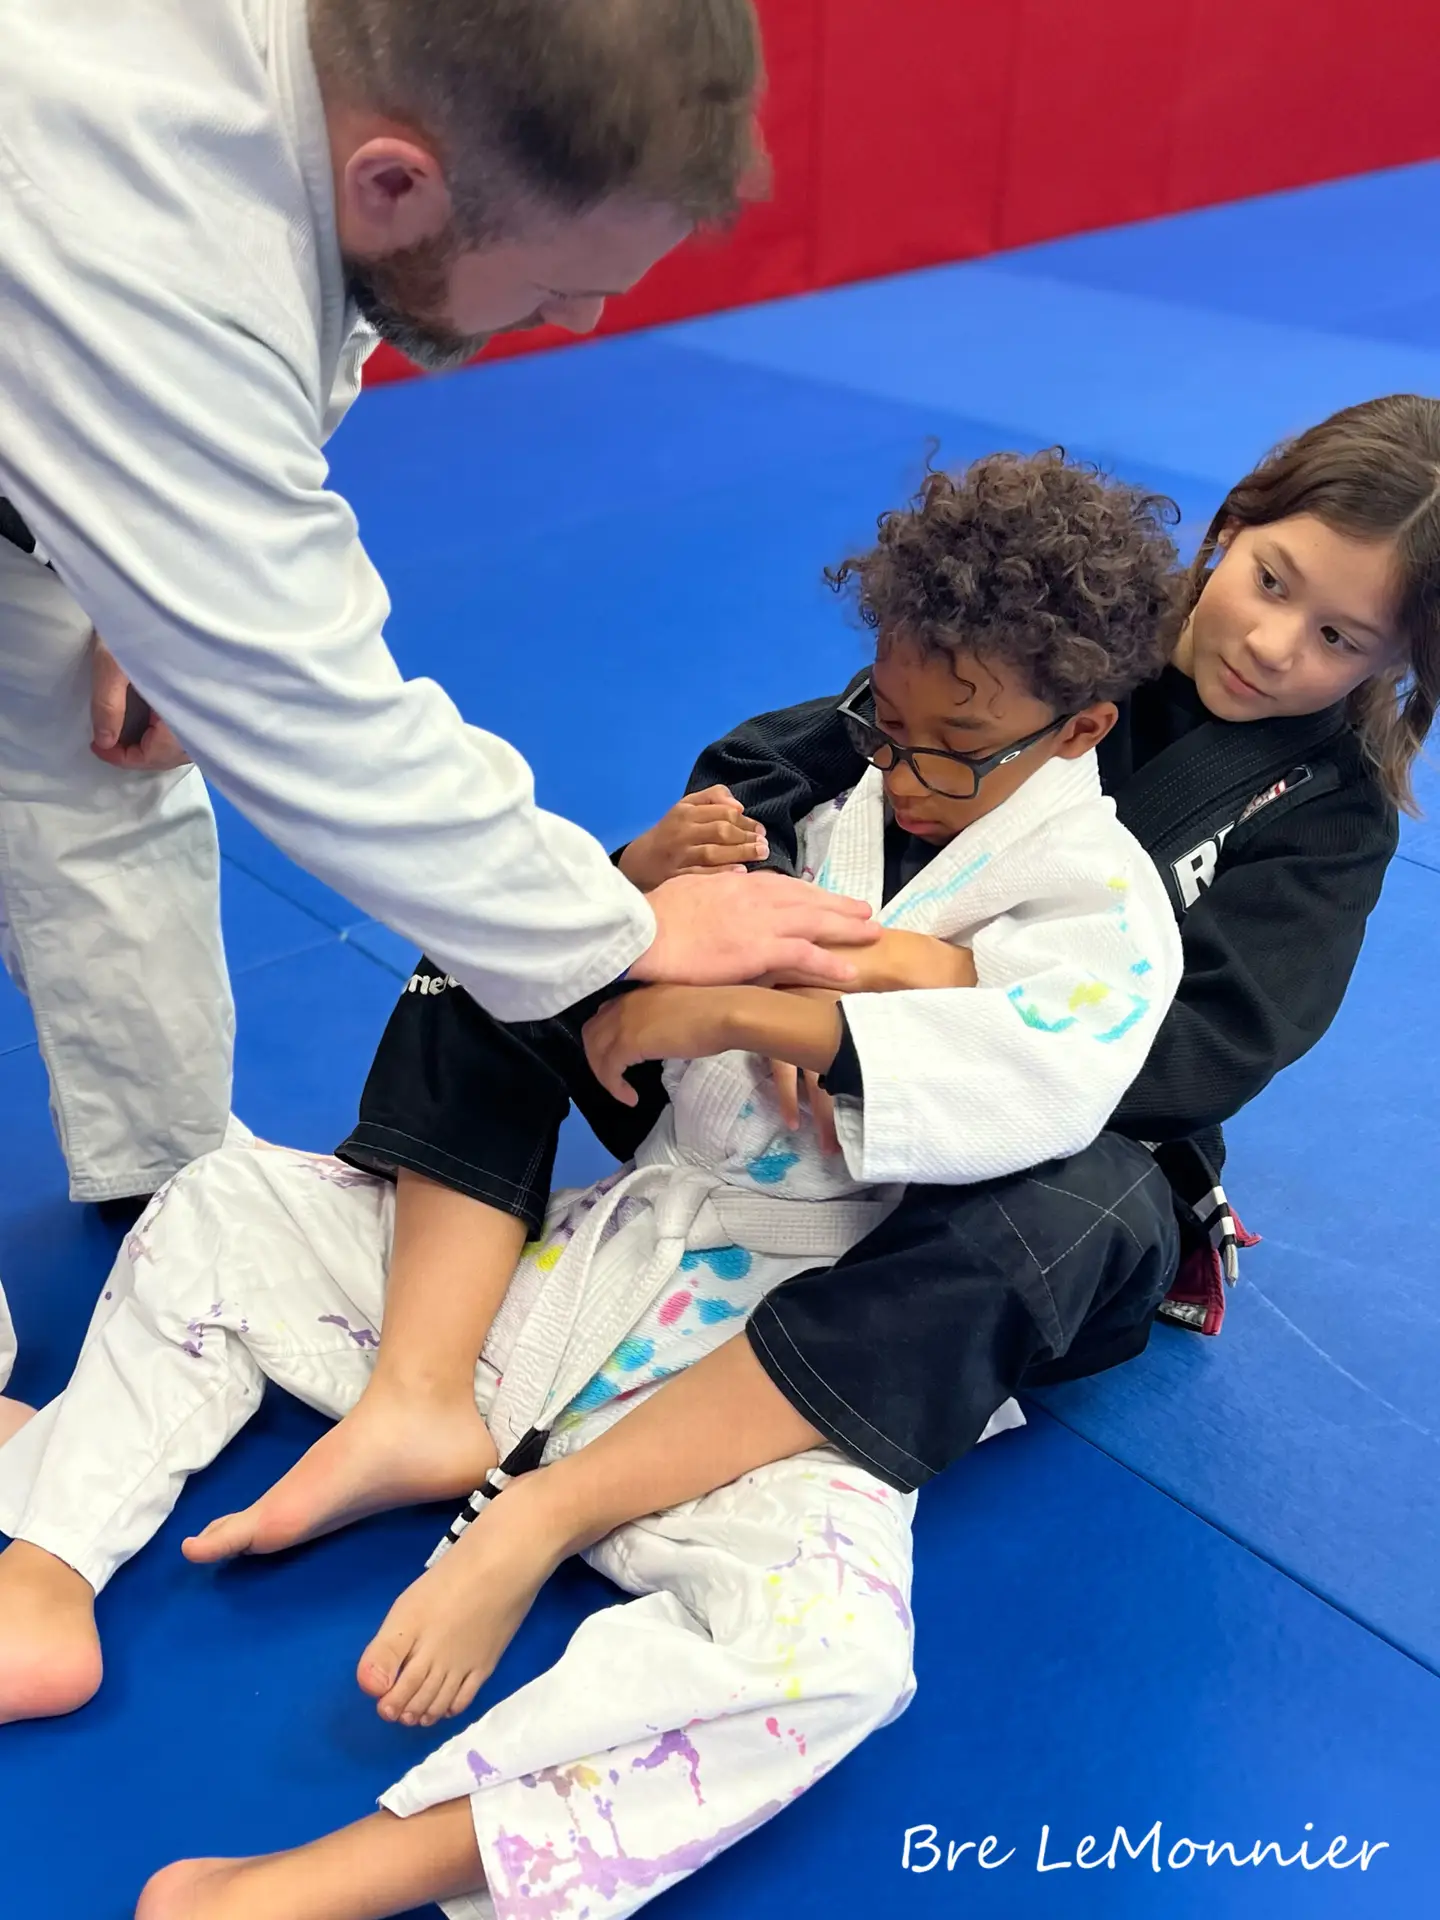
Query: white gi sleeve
column 167, row 455
column 966, row 1084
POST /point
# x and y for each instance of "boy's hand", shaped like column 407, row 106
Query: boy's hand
column 657, row 1023
column 702, row 833
column 822, row 1107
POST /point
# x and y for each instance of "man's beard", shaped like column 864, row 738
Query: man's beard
column 400, row 294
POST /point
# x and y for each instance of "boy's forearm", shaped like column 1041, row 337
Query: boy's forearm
column 719, row 1419
column 803, row 1029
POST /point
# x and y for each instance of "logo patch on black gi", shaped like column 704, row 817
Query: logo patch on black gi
column 1195, row 870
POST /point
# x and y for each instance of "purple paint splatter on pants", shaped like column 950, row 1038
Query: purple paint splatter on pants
column 676, row 1741
column 362, row 1336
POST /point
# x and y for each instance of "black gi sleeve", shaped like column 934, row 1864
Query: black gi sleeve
column 781, row 766
column 844, row 1074
column 455, row 1095
column 477, row 1104
column 1269, row 951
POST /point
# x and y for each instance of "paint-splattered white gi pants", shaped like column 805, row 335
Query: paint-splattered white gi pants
column 770, row 1634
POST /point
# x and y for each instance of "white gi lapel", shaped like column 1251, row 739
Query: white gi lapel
column 854, row 862
column 935, row 901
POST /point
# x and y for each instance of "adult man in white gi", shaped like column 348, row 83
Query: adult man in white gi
column 209, row 209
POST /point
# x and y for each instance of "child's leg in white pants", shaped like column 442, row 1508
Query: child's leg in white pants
column 774, row 1634
column 253, row 1263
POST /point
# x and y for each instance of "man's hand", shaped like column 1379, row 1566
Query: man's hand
column 898, row 961
column 717, row 929
column 660, row 1023
column 155, row 751
column 703, row 833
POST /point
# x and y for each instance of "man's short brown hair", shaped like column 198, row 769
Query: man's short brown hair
column 559, row 104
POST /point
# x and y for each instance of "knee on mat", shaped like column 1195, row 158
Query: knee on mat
column 872, row 1681
column 214, row 1195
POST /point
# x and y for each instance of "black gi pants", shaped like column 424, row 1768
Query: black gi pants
column 901, row 1351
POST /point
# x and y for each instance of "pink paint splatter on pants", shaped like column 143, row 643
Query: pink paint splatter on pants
column 674, row 1307
column 877, row 1499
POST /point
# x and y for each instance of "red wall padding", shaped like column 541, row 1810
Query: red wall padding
column 907, row 132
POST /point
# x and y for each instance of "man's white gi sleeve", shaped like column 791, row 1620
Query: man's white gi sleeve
column 167, row 455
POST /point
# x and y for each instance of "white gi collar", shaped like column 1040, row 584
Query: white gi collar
column 855, row 859
column 281, row 32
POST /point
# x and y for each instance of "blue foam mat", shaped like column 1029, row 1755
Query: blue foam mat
column 1311, row 1429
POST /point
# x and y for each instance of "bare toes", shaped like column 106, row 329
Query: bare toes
column 414, row 1676
column 382, row 1660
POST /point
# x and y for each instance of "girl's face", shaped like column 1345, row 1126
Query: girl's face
column 1293, row 617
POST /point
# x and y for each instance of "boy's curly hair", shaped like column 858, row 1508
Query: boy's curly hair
column 1035, row 560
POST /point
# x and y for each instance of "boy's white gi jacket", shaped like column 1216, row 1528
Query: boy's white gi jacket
column 1077, row 956
column 176, row 347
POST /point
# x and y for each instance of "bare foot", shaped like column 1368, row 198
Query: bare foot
column 191, row 1890
column 441, row 1639
column 13, row 1415
column 392, row 1450
column 49, row 1650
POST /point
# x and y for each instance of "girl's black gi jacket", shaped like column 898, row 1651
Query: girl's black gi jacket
column 1272, row 837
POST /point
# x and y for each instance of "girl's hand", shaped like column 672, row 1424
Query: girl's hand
column 703, row 833
column 656, row 1023
column 822, row 1107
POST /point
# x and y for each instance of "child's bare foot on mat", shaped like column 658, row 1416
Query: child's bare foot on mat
column 394, row 1449
column 13, row 1415
column 49, row 1649
column 441, row 1639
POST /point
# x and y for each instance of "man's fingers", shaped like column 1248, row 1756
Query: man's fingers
column 158, row 752
column 824, row 928
column 718, row 796
column 802, row 894
column 803, row 964
column 108, row 687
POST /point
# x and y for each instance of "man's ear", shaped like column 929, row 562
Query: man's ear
column 1085, row 730
column 391, row 193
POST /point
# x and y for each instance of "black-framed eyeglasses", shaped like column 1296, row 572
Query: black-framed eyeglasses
column 954, row 776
